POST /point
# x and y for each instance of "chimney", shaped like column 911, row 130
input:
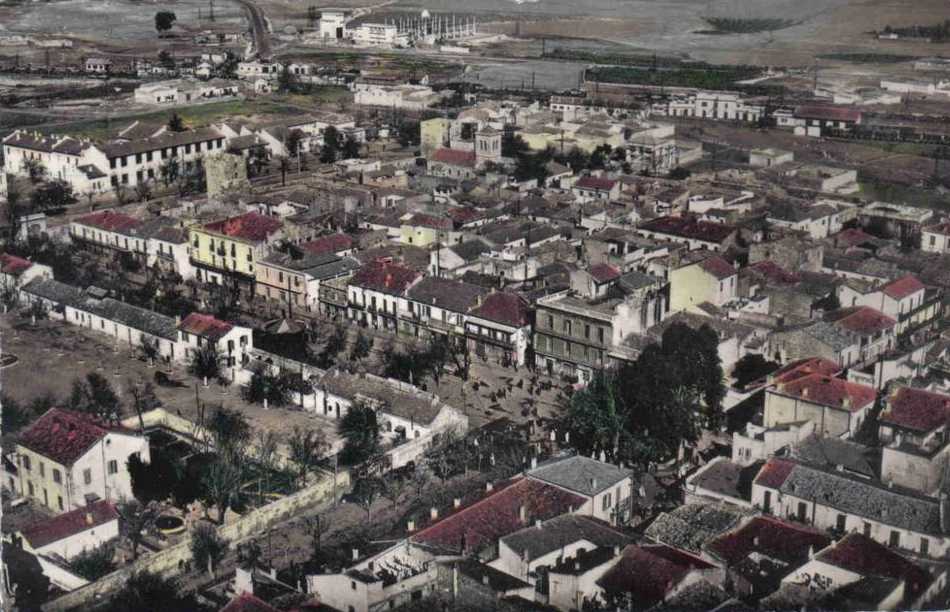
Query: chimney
column 537, row 523
column 534, row 462
column 485, row 579
column 523, row 513
column 846, row 403
column 89, row 519
column 411, row 526
column 456, row 503
column 433, row 513
column 567, row 437
column 811, row 552
column 616, row 550
column 489, row 487
column 944, row 500
column 755, row 541
column 593, row 484
column 356, row 554
column 805, row 392
column 603, row 456
column 577, row 566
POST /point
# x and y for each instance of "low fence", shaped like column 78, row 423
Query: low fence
column 169, row 561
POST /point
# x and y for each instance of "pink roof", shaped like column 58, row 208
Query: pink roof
column 249, row 226
column 503, row 307
column 939, row 228
column 499, row 514
column 109, row 221
column 862, row 320
column 903, row 287
column 205, row 325
column 431, row 221
column 774, row 473
column 246, row 602
column 385, row 277
column 11, row 264
column 916, row 409
column 604, row 272
column 649, row 573
column 689, row 227
column 595, row 182
column 831, row 392
column 852, row 237
column 829, row 113
column 60, row 527
column 718, row 267
column 454, row 157
column 789, row 542
column 64, row 436
column 333, row 243
column 860, row 554
column 805, row 367
column 774, row 272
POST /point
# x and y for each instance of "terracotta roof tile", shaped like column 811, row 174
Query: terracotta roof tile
column 454, row 157
column 649, row 573
column 788, row 542
column 718, row 267
column 205, row 325
column 246, row 602
column 774, row 473
column 773, row 272
column 829, row 391
column 903, row 287
column 862, row 320
column 604, row 272
column 333, row 243
column 109, row 221
column 64, row 436
column 11, row 264
column 502, row 307
column 594, row 182
column 917, row 409
column 249, row 226
column 46, row 532
column 689, row 227
column 860, row 554
column 385, row 277
column 831, row 113
column 805, row 367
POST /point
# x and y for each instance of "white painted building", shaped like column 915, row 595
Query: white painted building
column 70, row 534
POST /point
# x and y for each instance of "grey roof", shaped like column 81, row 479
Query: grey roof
column 393, row 397
column 833, row 335
column 631, row 281
column 497, row 580
column 141, row 319
column 865, row 498
column 827, row 452
column 724, row 327
column 55, row 291
column 470, row 249
column 689, row 527
column 452, row 295
column 561, row 531
column 580, row 474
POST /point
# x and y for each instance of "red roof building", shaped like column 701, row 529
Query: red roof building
column 453, row 157
column 250, row 227
column 64, row 436
column 774, row 538
column 916, row 410
column 205, row 326
column 772, row 272
column 505, row 510
column 903, row 287
column 805, row 367
column 595, row 183
column 718, row 267
column 46, row 532
column 861, row 555
column 109, row 221
column 246, row 602
column 430, row 221
column 774, row 472
column 334, row 243
column 862, row 320
column 385, row 277
column 604, row 272
column 689, row 228
column 648, row 574
column 13, row 265
column 846, row 114
column 502, row 307
column 829, row 391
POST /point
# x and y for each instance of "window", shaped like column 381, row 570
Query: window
column 32, row 490
column 87, row 476
column 840, row 524
column 550, row 322
column 26, row 463
column 57, row 476
column 353, row 584
column 566, row 326
column 59, row 500
column 895, row 539
column 42, row 470
column 802, row 511
column 587, row 331
column 113, row 467
column 600, row 335
column 924, row 546
column 607, row 501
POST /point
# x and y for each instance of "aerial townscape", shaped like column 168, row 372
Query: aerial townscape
column 442, row 306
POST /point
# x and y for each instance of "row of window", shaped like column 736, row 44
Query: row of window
column 165, row 153
column 569, row 327
column 557, row 346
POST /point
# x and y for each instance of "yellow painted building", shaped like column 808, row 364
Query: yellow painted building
column 711, row 280
column 434, row 134
column 232, row 246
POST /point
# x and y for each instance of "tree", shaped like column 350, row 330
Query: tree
column 94, row 395
column 206, row 362
column 34, row 168
column 148, row 592
column 137, row 518
column 360, row 427
column 142, row 392
column 95, row 563
column 165, row 60
column 249, row 555
column 121, row 195
column 294, row 138
column 207, row 547
column 325, row 357
column 222, row 482
column 331, row 145
column 316, row 526
column 307, row 448
column 143, row 191
column 158, row 479
column 148, row 349
column 14, row 415
column 362, row 347
column 408, row 133
column 164, row 20
column 229, row 430
column 751, row 368
column 365, row 493
column 286, row 80
column 276, row 389
column 351, row 148
column 53, row 195
column 392, row 486
column 175, row 124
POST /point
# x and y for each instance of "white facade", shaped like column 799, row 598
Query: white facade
column 77, row 543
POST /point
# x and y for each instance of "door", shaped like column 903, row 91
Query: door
column 802, row 511
column 767, row 502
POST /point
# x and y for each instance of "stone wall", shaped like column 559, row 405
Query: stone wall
column 225, row 172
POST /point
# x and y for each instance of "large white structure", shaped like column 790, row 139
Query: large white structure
column 408, row 97
column 72, row 533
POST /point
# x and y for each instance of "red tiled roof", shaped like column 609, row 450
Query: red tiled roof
column 789, row 542
column 830, row 113
column 829, row 391
column 205, row 325
column 718, row 267
column 465, row 214
column 249, row 226
column 245, row 602
column 774, row 272
column 604, row 272
column 65, row 436
column 109, row 221
column 903, row 287
column 852, row 237
column 454, row 157
column 917, row 409
column 649, row 573
column 424, row 220
column 60, row 527
column 939, row 228
column 498, row 515
column 860, row 554
column 503, row 307
column 595, row 182
column 689, row 227
column 384, row 277
column 862, row 320
column 11, row 264
column 774, row 473
column 333, row 243
column 805, row 367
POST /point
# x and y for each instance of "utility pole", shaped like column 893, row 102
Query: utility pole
column 210, row 10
